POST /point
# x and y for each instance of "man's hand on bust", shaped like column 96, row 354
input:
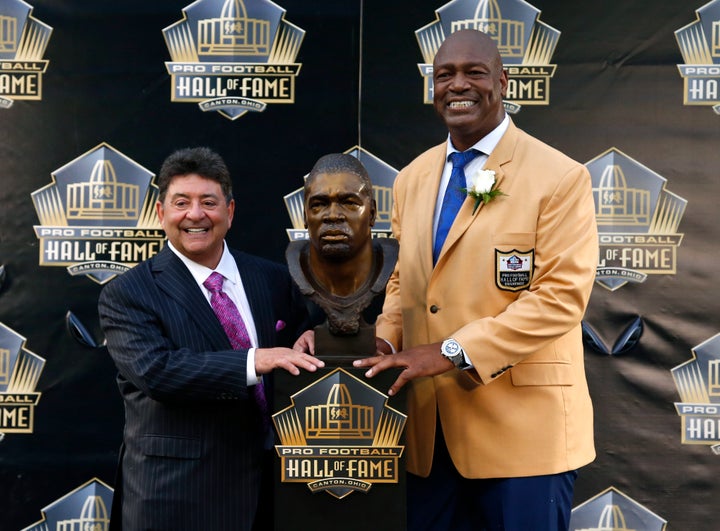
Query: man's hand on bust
column 423, row 360
column 267, row 359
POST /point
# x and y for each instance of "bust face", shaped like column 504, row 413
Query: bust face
column 339, row 213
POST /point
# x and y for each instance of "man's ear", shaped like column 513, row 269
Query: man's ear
column 503, row 82
column 231, row 212
column 373, row 212
column 160, row 211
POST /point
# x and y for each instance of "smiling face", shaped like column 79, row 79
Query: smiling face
column 195, row 216
column 339, row 212
column 469, row 86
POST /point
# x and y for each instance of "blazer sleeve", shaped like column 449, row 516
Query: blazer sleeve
column 566, row 249
column 389, row 323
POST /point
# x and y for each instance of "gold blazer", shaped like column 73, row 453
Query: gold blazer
column 511, row 285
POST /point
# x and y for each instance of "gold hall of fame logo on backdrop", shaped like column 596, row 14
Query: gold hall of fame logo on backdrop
column 700, row 47
column 637, row 220
column 525, row 43
column 87, row 508
column 232, row 56
column 339, row 436
column 20, row 371
column 23, row 40
column 611, row 510
column 382, row 176
column 698, row 384
column 98, row 217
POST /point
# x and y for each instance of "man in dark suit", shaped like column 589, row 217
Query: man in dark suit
column 195, row 432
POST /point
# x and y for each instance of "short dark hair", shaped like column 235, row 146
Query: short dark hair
column 200, row 160
column 340, row 163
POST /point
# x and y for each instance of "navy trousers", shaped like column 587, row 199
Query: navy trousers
column 447, row 501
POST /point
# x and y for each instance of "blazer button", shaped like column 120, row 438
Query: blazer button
column 434, row 309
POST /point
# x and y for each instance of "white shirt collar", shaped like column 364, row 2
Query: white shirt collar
column 227, row 266
column 487, row 143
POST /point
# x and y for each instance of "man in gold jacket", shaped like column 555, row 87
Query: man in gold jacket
column 488, row 332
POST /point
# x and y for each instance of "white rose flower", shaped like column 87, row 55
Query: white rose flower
column 482, row 188
column 482, row 182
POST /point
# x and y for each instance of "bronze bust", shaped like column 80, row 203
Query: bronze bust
column 341, row 268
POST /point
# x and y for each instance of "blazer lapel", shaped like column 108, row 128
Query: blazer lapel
column 174, row 279
column 426, row 197
column 501, row 155
column 255, row 290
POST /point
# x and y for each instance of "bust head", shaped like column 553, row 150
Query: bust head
column 340, row 267
column 339, row 215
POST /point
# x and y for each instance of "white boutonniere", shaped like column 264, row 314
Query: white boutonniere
column 482, row 188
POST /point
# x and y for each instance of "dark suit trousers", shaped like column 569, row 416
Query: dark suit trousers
column 447, row 501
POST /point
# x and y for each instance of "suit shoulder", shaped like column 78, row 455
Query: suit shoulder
column 135, row 275
column 535, row 149
column 422, row 165
column 426, row 157
column 259, row 263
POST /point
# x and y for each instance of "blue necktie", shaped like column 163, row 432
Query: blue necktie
column 454, row 197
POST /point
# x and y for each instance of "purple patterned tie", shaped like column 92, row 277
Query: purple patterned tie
column 229, row 317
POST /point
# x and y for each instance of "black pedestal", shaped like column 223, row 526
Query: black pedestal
column 339, row 450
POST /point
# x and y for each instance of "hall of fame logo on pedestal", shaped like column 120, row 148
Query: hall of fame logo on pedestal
column 232, row 56
column 698, row 384
column 525, row 43
column 382, row 176
column 87, row 508
column 637, row 220
column 20, row 372
column 339, row 436
column 699, row 44
column 611, row 510
column 98, row 216
column 23, row 40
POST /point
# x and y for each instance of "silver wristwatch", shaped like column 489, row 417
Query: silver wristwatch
column 452, row 350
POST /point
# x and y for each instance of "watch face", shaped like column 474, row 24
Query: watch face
column 451, row 348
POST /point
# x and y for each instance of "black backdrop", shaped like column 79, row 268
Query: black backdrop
column 616, row 85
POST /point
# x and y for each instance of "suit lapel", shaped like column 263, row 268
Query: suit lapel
column 501, row 155
column 426, row 197
column 256, row 291
column 174, row 279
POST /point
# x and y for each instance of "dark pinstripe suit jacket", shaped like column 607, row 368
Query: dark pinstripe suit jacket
column 192, row 448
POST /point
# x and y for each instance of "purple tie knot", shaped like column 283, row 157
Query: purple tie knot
column 214, row 282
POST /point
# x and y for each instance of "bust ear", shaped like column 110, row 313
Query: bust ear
column 373, row 212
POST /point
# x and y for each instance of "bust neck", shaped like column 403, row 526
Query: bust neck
column 345, row 277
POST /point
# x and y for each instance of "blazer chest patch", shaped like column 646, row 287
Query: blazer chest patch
column 513, row 270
